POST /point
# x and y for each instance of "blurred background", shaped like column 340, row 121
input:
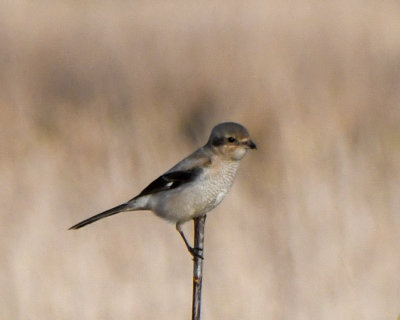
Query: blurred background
column 98, row 98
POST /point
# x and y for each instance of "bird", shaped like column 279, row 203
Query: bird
column 195, row 185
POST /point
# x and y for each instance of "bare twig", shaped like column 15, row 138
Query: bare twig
column 199, row 224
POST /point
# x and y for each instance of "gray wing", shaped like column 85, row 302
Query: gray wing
column 185, row 171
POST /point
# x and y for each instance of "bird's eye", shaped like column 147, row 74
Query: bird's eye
column 231, row 139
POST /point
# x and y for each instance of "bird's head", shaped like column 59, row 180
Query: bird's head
column 230, row 140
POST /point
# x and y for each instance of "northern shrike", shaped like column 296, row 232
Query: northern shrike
column 195, row 185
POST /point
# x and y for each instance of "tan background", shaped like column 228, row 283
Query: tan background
column 98, row 98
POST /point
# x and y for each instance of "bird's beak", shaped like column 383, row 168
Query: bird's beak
column 251, row 144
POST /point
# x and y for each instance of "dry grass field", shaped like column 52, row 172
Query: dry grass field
column 99, row 97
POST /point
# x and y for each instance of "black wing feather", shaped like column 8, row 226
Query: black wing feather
column 171, row 180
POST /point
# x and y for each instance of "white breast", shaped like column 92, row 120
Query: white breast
column 219, row 198
column 219, row 183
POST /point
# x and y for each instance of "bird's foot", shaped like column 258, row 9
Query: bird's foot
column 196, row 252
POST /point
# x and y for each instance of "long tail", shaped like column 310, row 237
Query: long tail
column 107, row 213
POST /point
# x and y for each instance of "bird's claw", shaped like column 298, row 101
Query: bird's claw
column 195, row 252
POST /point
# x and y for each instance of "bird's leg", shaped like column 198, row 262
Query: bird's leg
column 193, row 251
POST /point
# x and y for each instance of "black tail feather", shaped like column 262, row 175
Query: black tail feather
column 107, row 213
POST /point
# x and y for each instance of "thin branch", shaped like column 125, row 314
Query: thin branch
column 199, row 224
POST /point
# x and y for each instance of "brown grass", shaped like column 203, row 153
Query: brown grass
column 97, row 98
